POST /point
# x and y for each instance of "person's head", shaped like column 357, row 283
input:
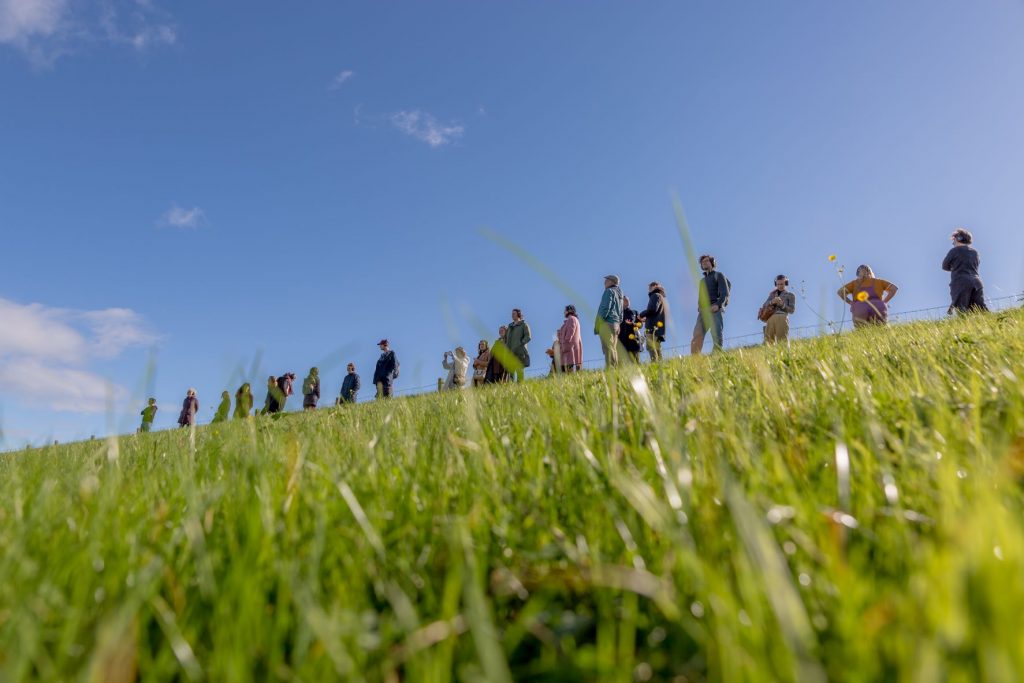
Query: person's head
column 245, row 388
column 460, row 352
column 191, row 392
column 707, row 262
column 225, row 394
column 502, row 330
column 625, row 301
column 781, row 282
column 611, row 281
column 351, row 368
column 962, row 236
column 272, row 381
column 152, row 401
column 383, row 344
column 517, row 314
column 569, row 310
column 482, row 345
column 314, row 371
column 653, row 286
column 864, row 271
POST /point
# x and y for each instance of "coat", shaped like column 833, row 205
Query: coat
column 610, row 310
column 570, row 342
column 223, row 409
column 310, row 391
column 243, row 401
column 516, row 338
column 456, row 368
column 350, row 387
column 656, row 312
column 387, row 368
column 189, row 408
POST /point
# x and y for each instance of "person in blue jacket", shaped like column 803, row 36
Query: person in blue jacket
column 349, row 386
column 609, row 317
column 386, row 372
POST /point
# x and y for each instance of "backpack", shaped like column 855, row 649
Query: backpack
column 728, row 291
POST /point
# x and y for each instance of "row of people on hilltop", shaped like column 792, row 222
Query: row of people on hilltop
column 618, row 326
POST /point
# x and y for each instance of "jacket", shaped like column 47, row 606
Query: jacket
column 189, row 408
column 516, row 338
column 962, row 264
column 628, row 328
column 350, row 387
column 570, row 342
column 310, row 390
column 717, row 287
column 387, row 368
column 656, row 312
column 243, row 401
column 610, row 310
column 788, row 301
column 223, row 409
column 456, row 368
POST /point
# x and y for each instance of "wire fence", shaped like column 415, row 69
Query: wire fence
column 756, row 338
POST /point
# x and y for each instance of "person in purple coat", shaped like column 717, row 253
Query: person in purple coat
column 189, row 408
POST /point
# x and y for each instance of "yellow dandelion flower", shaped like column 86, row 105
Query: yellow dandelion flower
column 862, row 296
column 831, row 257
column 632, row 336
column 661, row 324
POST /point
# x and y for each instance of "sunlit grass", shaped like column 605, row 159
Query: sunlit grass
column 848, row 508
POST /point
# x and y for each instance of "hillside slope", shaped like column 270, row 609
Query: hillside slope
column 846, row 508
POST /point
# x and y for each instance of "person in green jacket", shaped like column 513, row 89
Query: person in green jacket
column 311, row 389
column 243, row 401
column 224, row 409
column 148, row 415
column 517, row 336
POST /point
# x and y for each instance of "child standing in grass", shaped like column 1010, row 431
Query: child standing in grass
column 148, row 415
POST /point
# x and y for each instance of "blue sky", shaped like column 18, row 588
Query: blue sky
column 235, row 190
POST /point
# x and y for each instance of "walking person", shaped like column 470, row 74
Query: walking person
column 189, row 409
column 775, row 311
column 386, row 371
column 517, row 336
column 570, row 342
column 630, row 336
column 457, row 365
column 273, row 402
column 243, row 401
column 712, row 298
column 965, row 287
column 311, row 389
column 148, row 415
column 349, row 386
column 609, row 317
column 223, row 408
column 481, row 363
column 868, row 297
column 496, row 371
column 655, row 317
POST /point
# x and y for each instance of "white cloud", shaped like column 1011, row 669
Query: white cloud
column 177, row 217
column 45, row 353
column 23, row 20
column 341, row 78
column 426, row 128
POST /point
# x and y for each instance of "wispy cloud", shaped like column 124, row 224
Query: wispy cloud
column 46, row 352
column 342, row 78
column 185, row 219
column 426, row 128
column 45, row 30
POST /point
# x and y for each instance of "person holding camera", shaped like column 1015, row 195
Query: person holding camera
column 775, row 311
column 456, row 364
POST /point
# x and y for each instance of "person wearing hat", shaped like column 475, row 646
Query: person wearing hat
column 386, row 372
column 779, row 305
column 609, row 317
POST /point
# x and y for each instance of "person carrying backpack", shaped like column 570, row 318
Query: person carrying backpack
column 712, row 298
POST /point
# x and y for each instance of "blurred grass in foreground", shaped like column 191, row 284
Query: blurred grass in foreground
column 847, row 508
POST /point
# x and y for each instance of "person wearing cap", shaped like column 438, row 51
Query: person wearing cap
column 780, row 304
column 609, row 317
column 570, row 343
column 965, row 287
column 655, row 317
column 517, row 336
column 386, row 372
column 349, row 386
column 712, row 298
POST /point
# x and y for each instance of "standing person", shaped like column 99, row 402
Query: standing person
column 272, row 404
column 630, row 336
column 349, row 386
column 457, row 365
column 779, row 305
column 868, row 297
column 496, row 371
column 243, row 401
column 285, row 383
column 223, row 409
column 609, row 317
column 386, row 372
column 481, row 363
column 517, row 336
column 965, row 287
column 570, row 342
column 712, row 298
column 311, row 389
column 189, row 408
column 148, row 415
column 655, row 317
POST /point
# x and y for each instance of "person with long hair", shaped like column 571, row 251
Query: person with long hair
column 570, row 342
column 480, row 363
column 868, row 297
column 189, row 409
column 243, row 401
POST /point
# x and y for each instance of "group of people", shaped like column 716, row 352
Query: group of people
column 620, row 329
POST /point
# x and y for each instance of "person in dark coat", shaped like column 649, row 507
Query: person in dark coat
column 224, row 409
column 386, row 372
column 285, row 384
column 189, row 408
column 243, row 400
column 655, row 318
column 496, row 371
column 272, row 404
column 629, row 331
column 349, row 386
column 311, row 389
column 965, row 287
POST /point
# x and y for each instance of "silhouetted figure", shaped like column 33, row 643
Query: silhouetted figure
column 189, row 408
column 965, row 287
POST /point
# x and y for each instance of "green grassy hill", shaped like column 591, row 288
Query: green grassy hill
column 846, row 509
